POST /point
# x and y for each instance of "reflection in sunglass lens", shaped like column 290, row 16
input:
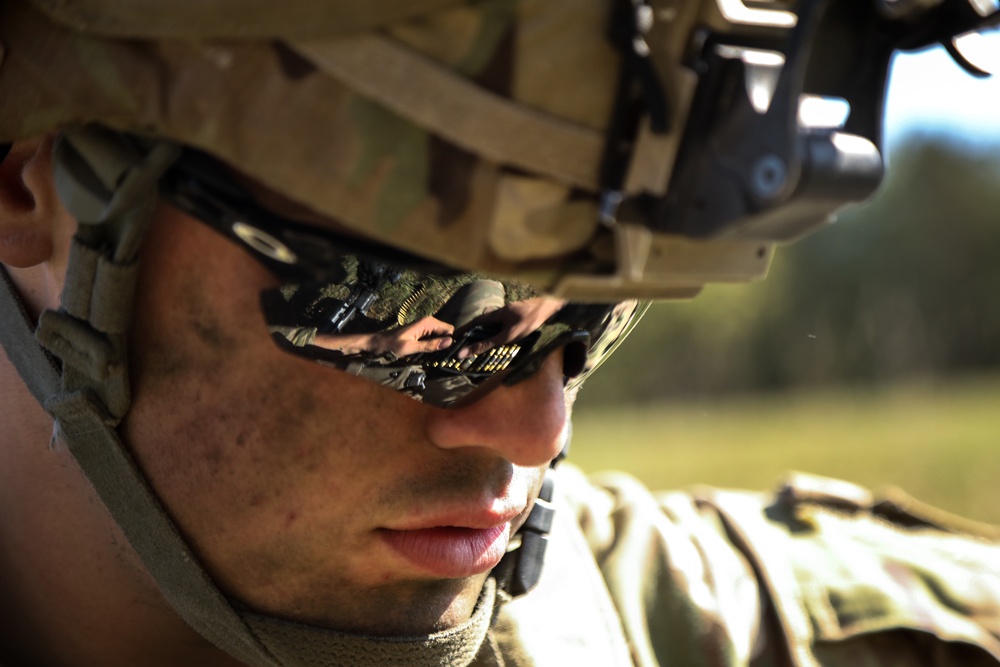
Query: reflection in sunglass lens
column 443, row 340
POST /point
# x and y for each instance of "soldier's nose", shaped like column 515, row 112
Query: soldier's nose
column 522, row 423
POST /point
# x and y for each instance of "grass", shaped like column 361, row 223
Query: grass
column 938, row 442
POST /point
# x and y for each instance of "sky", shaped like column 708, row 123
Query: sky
column 929, row 92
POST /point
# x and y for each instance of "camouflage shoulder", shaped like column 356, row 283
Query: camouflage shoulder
column 684, row 594
column 849, row 578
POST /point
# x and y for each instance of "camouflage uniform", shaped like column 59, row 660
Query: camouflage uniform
column 817, row 574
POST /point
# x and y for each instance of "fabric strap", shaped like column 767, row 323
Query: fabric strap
column 299, row 645
column 112, row 472
column 452, row 107
column 17, row 335
column 90, row 395
column 84, row 424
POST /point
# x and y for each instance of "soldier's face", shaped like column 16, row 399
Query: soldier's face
column 309, row 493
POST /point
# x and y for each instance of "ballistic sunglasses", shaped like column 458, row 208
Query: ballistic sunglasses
column 443, row 337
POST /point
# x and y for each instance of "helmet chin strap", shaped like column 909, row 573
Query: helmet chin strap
column 110, row 186
column 75, row 364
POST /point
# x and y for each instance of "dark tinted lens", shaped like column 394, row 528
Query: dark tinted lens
column 444, row 340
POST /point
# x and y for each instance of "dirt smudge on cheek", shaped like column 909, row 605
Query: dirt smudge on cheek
column 206, row 327
column 297, row 426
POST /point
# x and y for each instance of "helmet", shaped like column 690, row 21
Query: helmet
column 594, row 150
column 459, row 131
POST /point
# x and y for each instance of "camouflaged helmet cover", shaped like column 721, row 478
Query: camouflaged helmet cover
column 505, row 182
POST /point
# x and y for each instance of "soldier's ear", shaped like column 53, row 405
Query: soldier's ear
column 30, row 210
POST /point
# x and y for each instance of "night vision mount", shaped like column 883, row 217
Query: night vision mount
column 748, row 163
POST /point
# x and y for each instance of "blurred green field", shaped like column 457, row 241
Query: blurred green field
column 938, row 442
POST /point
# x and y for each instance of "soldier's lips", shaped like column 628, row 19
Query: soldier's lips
column 450, row 552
